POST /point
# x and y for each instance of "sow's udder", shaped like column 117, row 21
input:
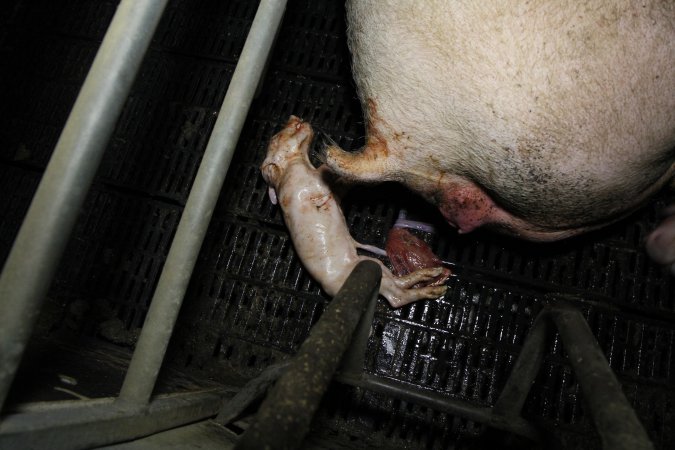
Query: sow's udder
column 542, row 119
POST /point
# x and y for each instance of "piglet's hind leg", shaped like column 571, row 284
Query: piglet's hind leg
column 399, row 291
column 418, row 276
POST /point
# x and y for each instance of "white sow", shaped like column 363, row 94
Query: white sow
column 541, row 119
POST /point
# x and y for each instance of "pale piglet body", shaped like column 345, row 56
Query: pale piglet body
column 316, row 223
column 541, row 119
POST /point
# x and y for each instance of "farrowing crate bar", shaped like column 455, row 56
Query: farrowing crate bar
column 40, row 243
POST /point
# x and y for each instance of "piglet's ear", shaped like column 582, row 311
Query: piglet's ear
column 273, row 195
column 271, row 174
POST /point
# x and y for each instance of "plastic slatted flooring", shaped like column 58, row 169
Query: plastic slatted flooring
column 250, row 302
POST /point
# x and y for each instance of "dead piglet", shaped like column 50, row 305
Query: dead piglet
column 317, row 225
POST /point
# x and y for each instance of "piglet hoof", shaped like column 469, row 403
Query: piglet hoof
column 399, row 291
column 431, row 276
column 661, row 242
column 404, row 297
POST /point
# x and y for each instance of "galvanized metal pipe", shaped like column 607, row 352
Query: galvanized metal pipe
column 44, row 233
column 94, row 423
column 168, row 297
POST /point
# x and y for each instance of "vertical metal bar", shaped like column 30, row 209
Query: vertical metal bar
column 525, row 369
column 615, row 420
column 168, row 297
column 284, row 417
column 44, row 233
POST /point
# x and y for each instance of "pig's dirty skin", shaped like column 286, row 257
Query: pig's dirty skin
column 541, row 119
column 316, row 223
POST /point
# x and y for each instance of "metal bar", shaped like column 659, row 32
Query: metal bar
column 615, row 420
column 352, row 361
column 253, row 390
column 168, row 297
column 87, row 424
column 44, row 233
column 514, row 424
column 527, row 365
column 284, row 417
